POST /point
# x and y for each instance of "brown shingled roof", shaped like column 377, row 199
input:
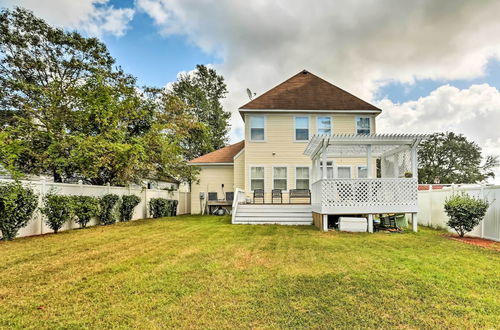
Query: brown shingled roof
column 223, row 155
column 305, row 91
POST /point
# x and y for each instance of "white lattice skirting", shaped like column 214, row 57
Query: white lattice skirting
column 352, row 196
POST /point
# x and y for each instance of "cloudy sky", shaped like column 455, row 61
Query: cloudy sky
column 430, row 65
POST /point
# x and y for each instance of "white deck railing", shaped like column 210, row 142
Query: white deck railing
column 239, row 196
column 361, row 196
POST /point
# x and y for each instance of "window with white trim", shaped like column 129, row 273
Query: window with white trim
column 256, row 177
column 329, row 169
column 363, row 125
column 301, row 128
column 324, row 125
column 279, row 177
column 302, row 177
column 257, row 128
column 344, row 172
column 362, row 172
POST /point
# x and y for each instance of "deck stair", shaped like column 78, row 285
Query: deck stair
column 284, row 214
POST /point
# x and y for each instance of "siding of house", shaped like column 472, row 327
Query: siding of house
column 280, row 140
column 210, row 180
column 239, row 170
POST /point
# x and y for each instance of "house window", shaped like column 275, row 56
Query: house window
column 363, row 125
column 324, row 125
column 257, row 128
column 302, row 177
column 256, row 177
column 344, row 172
column 279, row 178
column 329, row 169
column 301, row 128
column 362, row 172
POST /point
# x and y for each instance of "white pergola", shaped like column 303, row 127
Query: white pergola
column 395, row 191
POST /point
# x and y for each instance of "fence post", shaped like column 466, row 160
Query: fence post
column 430, row 213
column 481, row 194
column 145, row 202
column 40, row 202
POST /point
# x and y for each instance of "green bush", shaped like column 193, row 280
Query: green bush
column 109, row 208
column 17, row 205
column 161, row 207
column 129, row 202
column 57, row 209
column 85, row 207
column 465, row 212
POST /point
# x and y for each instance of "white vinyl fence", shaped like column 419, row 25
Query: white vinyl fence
column 37, row 225
column 431, row 204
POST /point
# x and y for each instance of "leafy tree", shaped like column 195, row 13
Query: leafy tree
column 76, row 116
column 465, row 212
column 17, row 205
column 58, row 209
column 203, row 90
column 450, row 158
column 85, row 208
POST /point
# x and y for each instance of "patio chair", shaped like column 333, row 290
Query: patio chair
column 276, row 193
column 388, row 221
column 258, row 193
column 299, row 193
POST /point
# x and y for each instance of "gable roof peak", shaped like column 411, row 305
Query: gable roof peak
column 306, row 91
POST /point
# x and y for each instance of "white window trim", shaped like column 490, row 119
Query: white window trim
column 331, row 123
column 308, row 128
column 250, row 128
column 356, row 123
column 250, row 177
column 295, row 170
column 286, row 178
column 333, row 167
column 357, row 171
column 344, row 166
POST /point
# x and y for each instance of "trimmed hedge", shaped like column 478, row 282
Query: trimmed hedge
column 85, row 208
column 129, row 202
column 58, row 209
column 162, row 207
column 465, row 212
column 17, row 205
column 109, row 208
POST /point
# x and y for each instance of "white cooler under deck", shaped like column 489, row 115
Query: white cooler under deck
column 353, row 224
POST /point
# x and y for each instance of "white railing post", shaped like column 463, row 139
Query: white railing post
column 236, row 201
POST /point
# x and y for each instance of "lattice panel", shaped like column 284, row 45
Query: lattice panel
column 369, row 192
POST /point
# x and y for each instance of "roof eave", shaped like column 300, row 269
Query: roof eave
column 376, row 112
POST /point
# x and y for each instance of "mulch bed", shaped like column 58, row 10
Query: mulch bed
column 485, row 243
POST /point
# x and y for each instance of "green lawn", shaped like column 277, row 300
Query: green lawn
column 205, row 272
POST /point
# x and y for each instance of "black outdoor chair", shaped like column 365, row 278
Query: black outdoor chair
column 388, row 221
column 212, row 196
column 258, row 193
column 229, row 196
column 276, row 193
column 299, row 193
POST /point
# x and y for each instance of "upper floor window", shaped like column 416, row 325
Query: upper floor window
column 324, row 125
column 257, row 128
column 301, row 128
column 363, row 125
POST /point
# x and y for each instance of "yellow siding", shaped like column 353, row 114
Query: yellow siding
column 280, row 147
column 239, row 171
column 210, row 180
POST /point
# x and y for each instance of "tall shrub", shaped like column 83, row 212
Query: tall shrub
column 17, row 205
column 58, row 210
column 85, row 208
column 109, row 209
column 160, row 207
column 129, row 202
column 465, row 212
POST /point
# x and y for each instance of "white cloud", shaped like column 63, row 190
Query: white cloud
column 95, row 17
column 358, row 45
column 474, row 112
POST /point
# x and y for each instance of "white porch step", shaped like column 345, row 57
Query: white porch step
column 286, row 214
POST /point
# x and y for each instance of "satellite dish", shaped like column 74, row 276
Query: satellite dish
column 250, row 94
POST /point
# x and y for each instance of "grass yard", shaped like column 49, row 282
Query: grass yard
column 195, row 271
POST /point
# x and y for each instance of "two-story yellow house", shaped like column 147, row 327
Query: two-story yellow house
column 280, row 125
